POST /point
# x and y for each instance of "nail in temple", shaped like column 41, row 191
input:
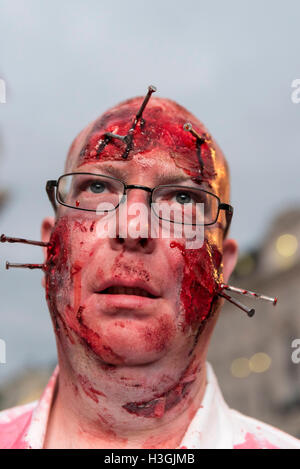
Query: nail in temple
column 24, row 266
column 8, row 239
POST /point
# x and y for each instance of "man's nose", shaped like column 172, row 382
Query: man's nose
column 133, row 224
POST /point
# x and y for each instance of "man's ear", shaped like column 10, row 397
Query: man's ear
column 230, row 256
column 46, row 230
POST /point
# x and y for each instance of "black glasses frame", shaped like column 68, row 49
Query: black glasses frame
column 52, row 192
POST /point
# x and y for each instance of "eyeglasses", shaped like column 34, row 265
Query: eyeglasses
column 99, row 193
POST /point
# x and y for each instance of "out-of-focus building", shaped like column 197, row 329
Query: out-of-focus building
column 24, row 388
column 253, row 357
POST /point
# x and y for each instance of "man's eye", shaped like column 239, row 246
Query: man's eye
column 183, row 198
column 96, row 187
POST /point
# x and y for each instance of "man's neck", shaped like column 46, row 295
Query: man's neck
column 136, row 407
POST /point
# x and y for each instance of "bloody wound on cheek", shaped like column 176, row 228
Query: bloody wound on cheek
column 200, row 280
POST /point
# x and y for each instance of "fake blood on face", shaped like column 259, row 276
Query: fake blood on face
column 93, row 340
column 57, row 260
column 200, row 280
column 63, row 279
column 161, row 129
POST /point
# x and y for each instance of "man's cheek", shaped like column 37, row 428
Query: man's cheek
column 200, row 280
column 65, row 258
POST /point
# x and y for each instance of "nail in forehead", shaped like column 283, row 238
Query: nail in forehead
column 139, row 126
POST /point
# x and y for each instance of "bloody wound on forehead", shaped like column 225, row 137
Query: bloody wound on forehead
column 128, row 139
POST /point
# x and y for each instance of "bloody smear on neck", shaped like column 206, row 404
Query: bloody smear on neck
column 165, row 401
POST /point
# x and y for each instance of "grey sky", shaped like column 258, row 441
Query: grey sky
column 64, row 62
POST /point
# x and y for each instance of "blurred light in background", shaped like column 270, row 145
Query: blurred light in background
column 240, row 368
column 243, row 367
column 286, row 245
column 260, row 362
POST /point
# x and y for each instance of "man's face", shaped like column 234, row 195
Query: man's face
column 131, row 301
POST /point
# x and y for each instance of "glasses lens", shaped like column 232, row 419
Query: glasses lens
column 185, row 205
column 90, row 191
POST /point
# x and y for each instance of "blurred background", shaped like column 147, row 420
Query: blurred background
column 232, row 64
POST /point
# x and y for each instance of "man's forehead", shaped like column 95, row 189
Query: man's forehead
column 161, row 131
column 157, row 166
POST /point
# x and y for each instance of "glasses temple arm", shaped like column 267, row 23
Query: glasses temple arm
column 50, row 189
column 229, row 213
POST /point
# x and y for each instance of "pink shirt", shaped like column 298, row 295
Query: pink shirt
column 215, row 425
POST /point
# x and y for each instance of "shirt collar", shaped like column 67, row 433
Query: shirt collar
column 211, row 426
column 36, row 432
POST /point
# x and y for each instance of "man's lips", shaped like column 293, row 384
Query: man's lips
column 127, row 287
column 121, row 290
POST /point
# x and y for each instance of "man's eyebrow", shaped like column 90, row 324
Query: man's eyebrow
column 103, row 168
column 164, row 178
column 174, row 179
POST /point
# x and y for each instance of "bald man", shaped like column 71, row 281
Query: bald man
column 133, row 307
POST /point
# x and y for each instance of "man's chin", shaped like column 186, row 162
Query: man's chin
column 131, row 341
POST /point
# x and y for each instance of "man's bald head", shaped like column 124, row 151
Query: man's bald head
column 161, row 128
